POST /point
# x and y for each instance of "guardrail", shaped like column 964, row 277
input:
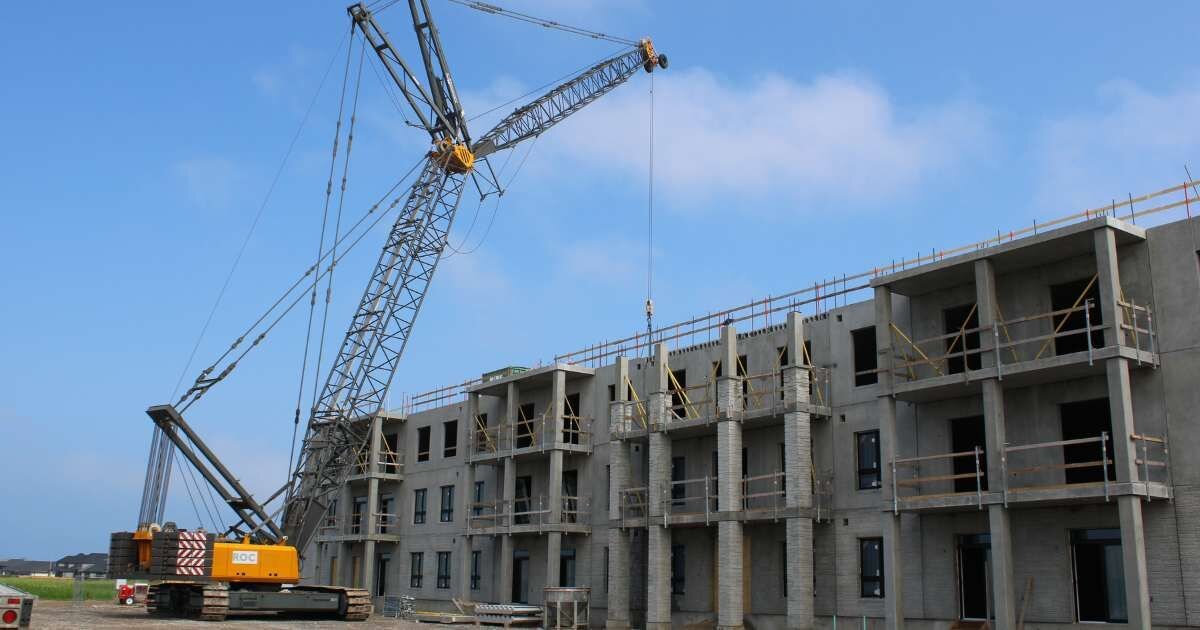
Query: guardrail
column 356, row 525
column 530, row 433
column 535, row 511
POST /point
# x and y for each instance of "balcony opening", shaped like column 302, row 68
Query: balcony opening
column 391, row 444
column 742, row 372
column 1083, row 420
column 1072, row 296
column 381, row 573
column 956, row 320
column 570, row 497
column 356, row 515
column 1099, row 575
column 781, row 354
column 678, row 473
column 520, row 576
column 566, row 568
column 965, row 435
column 521, row 506
column 974, row 576
column 865, row 357
column 676, row 385
column 571, row 423
column 423, row 444
column 387, row 514
column 525, row 415
column 450, row 438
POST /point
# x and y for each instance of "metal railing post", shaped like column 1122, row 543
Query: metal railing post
column 1004, row 472
column 978, row 479
column 1087, row 318
column 996, row 349
column 1137, row 338
column 1104, row 460
column 895, row 499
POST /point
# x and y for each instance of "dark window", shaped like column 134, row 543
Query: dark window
column 678, row 569
column 566, row 568
column 475, row 579
column 524, row 491
column 443, row 569
column 868, row 459
column 961, row 319
column 605, row 578
column 1082, row 420
column 870, row 562
column 417, row 572
column 447, row 513
column 570, row 496
column 676, row 385
column 678, row 473
column 386, row 515
column 525, row 418
column 357, row 516
column 612, row 393
column 742, row 373
column 783, row 567
column 450, row 438
column 478, row 509
column 782, row 355
column 745, row 463
column 419, row 506
column 423, row 444
column 381, row 572
column 1099, row 575
column 965, row 435
column 782, row 467
column 571, row 422
column 1071, row 295
column 865, row 358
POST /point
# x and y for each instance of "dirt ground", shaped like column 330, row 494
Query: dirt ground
column 52, row 615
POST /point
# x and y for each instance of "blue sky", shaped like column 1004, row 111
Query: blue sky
column 804, row 139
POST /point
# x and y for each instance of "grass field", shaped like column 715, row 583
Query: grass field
column 61, row 588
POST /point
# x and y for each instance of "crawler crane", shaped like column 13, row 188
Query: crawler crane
column 255, row 563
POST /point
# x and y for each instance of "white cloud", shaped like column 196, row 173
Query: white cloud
column 1136, row 140
column 210, row 182
column 837, row 137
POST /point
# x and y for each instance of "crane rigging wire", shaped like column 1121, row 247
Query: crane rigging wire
column 203, row 384
column 312, row 305
column 551, row 24
column 261, row 208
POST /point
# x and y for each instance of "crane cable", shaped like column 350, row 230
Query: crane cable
column 650, row 226
column 312, row 303
column 551, row 24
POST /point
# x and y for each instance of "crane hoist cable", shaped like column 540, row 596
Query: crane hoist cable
column 650, row 225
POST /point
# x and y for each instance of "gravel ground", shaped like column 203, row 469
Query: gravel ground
column 53, row 615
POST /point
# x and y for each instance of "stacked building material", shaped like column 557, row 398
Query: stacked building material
column 182, row 553
column 508, row 615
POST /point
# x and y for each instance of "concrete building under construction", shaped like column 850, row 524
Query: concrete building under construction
column 978, row 435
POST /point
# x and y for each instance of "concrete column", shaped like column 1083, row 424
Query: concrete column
column 797, row 464
column 1004, row 594
column 553, row 428
column 553, row 557
column 893, row 568
column 370, row 521
column 1108, row 283
column 985, row 309
column 504, row 573
column 729, row 385
column 1133, row 551
column 658, row 587
column 618, row 579
column 465, row 542
column 800, row 574
column 1133, row 536
column 554, row 499
column 729, row 495
column 619, row 471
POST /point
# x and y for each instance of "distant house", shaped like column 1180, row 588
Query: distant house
column 89, row 565
column 21, row 566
